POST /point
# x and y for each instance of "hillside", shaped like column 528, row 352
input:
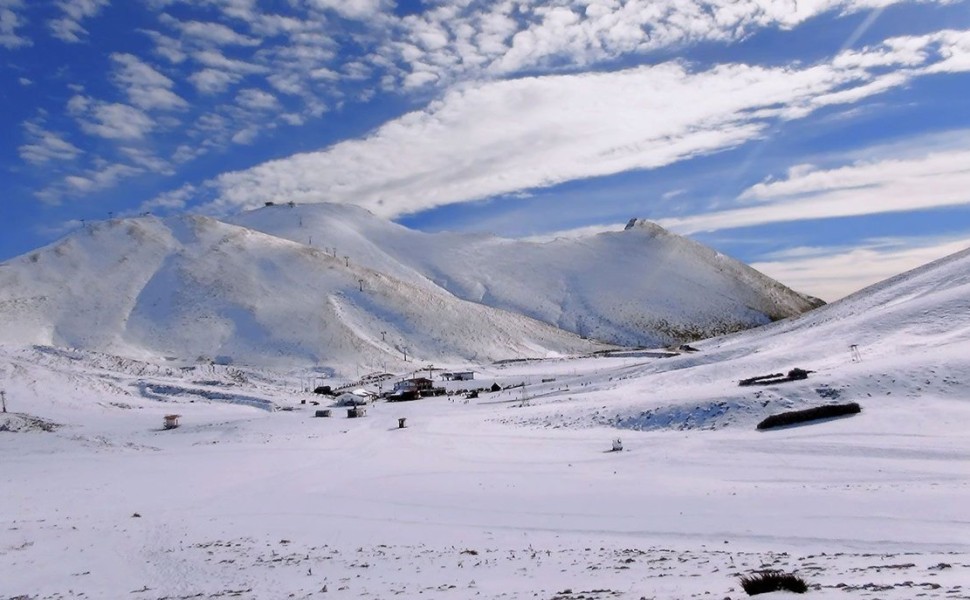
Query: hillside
column 642, row 286
column 337, row 287
column 513, row 494
column 890, row 347
column 193, row 288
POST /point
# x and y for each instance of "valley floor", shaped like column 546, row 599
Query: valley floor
column 486, row 498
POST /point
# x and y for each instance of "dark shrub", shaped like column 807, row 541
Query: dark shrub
column 810, row 414
column 773, row 581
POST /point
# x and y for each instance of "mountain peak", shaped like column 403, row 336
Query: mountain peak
column 648, row 226
column 336, row 285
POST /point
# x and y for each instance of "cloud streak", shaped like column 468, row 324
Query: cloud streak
column 68, row 27
column 832, row 273
column 12, row 19
column 492, row 138
column 936, row 180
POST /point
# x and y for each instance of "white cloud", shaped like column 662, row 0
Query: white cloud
column 352, row 9
column 832, row 273
column 936, row 180
column 216, row 60
column 11, row 19
column 68, row 27
column 215, row 34
column 255, row 99
column 505, row 37
column 103, row 176
column 174, row 200
column 578, row 232
column 492, row 138
column 44, row 146
column 167, row 47
column 109, row 120
column 146, row 88
column 213, row 81
column 246, row 136
column 147, row 161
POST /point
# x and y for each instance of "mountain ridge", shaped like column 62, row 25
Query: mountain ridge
column 361, row 290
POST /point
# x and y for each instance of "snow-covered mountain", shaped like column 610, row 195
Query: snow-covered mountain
column 641, row 286
column 336, row 286
column 898, row 346
column 191, row 287
column 252, row 496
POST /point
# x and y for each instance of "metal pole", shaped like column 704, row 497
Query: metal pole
column 3, row 399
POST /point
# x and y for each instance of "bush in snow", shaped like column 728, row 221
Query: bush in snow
column 773, row 581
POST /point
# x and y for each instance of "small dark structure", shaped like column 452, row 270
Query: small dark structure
column 795, row 374
column 171, row 421
column 810, row 414
column 472, row 394
column 355, row 412
column 323, row 389
column 496, row 387
column 772, row 581
column 459, row 375
column 400, row 422
column 322, row 413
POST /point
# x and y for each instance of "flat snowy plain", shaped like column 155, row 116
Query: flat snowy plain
column 514, row 494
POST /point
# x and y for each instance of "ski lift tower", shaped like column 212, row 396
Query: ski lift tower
column 854, row 351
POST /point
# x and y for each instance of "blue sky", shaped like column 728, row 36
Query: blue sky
column 827, row 142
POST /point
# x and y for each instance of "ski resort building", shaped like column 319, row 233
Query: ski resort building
column 415, row 384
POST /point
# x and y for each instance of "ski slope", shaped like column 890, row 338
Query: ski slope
column 514, row 494
column 641, row 286
column 194, row 289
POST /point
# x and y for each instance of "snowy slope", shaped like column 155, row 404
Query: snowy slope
column 513, row 494
column 889, row 346
column 642, row 286
column 194, row 287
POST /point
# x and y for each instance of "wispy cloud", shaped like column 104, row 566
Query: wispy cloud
column 577, row 232
column 103, row 176
column 353, row 9
column 832, row 273
column 938, row 179
column 44, row 146
column 12, row 19
column 501, row 38
column 209, row 34
column 256, row 99
column 68, row 27
column 109, row 120
column 174, row 200
column 560, row 128
column 145, row 87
